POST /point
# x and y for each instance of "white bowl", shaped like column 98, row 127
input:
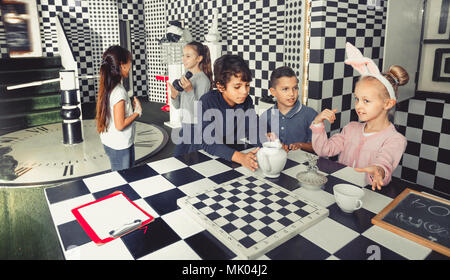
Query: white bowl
column 311, row 180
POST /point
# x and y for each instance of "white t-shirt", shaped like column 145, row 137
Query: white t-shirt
column 113, row 138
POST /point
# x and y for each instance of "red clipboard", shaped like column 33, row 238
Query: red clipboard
column 90, row 231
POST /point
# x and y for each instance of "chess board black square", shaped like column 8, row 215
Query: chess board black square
column 298, row 248
column 228, row 163
column 359, row 221
column 285, row 181
column 436, row 256
column 165, row 202
column 328, row 166
column 290, row 163
column 156, row 235
column 137, row 173
column 182, row 176
column 72, row 234
column 208, row 247
column 193, row 158
column 127, row 190
column 225, row 176
column 68, row 191
column 363, row 248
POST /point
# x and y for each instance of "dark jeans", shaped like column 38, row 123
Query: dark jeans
column 120, row 159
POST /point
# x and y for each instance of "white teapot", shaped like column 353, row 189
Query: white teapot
column 271, row 158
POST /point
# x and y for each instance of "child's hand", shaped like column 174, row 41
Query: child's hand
column 295, row 146
column 137, row 106
column 173, row 92
column 271, row 136
column 248, row 160
column 377, row 174
column 326, row 114
column 186, row 84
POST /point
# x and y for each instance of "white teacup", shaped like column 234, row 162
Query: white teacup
column 348, row 197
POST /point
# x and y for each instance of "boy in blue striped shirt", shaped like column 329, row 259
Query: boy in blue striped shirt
column 294, row 118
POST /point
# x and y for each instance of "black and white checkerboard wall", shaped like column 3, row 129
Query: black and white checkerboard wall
column 424, row 121
column 155, row 24
column 426, row 124
column 91, row 27
column 256, row 30
column 333, row 23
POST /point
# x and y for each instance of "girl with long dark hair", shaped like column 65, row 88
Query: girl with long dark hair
column 115, row 114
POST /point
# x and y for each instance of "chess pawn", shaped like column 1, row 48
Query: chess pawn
column 271, row 158
column 213, row 33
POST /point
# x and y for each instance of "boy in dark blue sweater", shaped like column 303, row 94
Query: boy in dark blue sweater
column 227, row 114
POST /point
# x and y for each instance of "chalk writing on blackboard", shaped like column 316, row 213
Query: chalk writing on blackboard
column 423, row 216
column 428, row 226
column 420, row 217
column 433, row 209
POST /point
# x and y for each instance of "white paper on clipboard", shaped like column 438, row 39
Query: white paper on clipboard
column 111, row 214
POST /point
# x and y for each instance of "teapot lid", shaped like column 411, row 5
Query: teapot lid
column 273, row 144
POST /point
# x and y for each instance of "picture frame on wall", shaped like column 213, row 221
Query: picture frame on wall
column 21, row 24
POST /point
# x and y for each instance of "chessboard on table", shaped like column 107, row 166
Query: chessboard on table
column 252, row 215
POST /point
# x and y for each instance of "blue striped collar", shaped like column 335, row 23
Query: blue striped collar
column 297, row 107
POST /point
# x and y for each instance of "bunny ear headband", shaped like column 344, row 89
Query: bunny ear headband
column 366, row 67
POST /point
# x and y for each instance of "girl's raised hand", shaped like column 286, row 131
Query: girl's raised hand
column 377, row 174
column 326, row 114
column 173, row 92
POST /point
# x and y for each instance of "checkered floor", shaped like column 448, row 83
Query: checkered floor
column 156, row 186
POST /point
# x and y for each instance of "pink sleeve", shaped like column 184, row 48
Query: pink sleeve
column 389, row 156
column 323, row 146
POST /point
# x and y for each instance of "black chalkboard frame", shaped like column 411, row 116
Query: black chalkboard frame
column 378, row 220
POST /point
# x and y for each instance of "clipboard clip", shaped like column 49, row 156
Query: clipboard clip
column 125, row 228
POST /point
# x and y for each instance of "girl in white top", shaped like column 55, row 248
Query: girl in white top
column 115, row 113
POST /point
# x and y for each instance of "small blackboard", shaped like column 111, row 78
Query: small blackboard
column 420, row 217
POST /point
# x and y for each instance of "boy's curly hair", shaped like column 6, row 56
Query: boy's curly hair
column 230, row 65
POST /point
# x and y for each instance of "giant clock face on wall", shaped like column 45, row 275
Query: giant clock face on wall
column 37, row 155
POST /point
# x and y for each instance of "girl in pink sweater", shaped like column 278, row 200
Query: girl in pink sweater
column 372, row 145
